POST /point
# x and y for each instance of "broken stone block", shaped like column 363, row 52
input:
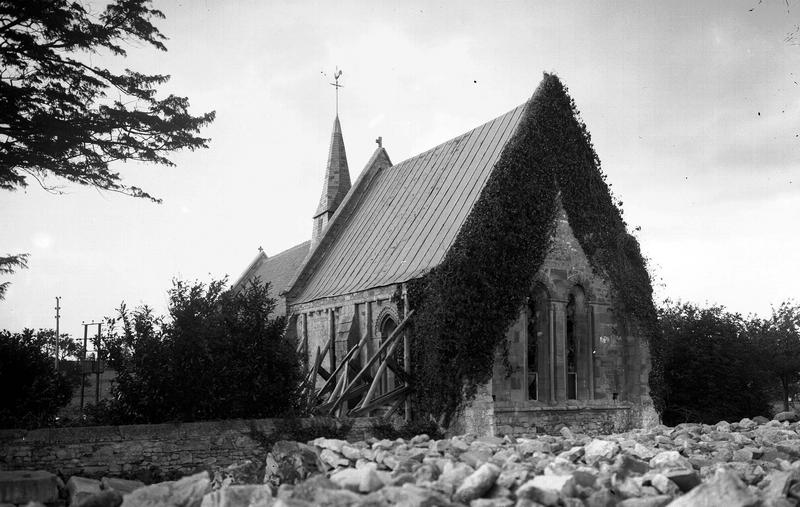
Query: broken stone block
column 407, row 494
column 649, row 501
column 603, row 497
column 105, row 498
column 333, row 444
column 598, row 450
column 351, row 453
column 478, row 483
column 307, row 490
column 778, row 483
column 239, row 496
column 669, row 459
column 79, row 488
column 21, row 486
column 359, row 480
column 790, row 416
column 124, row 486
column 725, row 488
column 291, row 462
column 188, row 491
column 686, row 480
column 789, row 447
column 333, row 459
column 455, row 473
column 560, row 485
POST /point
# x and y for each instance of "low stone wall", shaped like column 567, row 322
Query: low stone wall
column 586, row 419
column 159, row 450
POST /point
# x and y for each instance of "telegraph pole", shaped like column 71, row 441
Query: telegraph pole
column 58, row 318
column 83, row 362
column 97, row 362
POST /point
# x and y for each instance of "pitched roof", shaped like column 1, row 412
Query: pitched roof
column 278, row 270
column 398, row 222
column 337, row 175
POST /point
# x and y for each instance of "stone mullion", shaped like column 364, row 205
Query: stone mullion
column 560, row 363
column 590, row 358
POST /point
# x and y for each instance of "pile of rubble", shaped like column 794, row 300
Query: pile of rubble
column 750, row 462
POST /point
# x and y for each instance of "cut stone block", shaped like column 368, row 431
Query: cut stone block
column 22, row 486
column 80, row 488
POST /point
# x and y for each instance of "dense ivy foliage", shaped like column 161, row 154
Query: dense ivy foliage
column 465, row 305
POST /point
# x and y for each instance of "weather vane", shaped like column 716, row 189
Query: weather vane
column 335, row 84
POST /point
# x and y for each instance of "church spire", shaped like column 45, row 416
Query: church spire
column 337, row 174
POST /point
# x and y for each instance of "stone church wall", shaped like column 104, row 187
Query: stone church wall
column 613, row 366
column 612, row 386
column 348, row 319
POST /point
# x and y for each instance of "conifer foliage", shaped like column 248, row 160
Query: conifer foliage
column 63, row 115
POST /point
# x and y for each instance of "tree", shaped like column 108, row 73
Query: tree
column 33, row 391
column 709, row 367
column 778, row 340
column 8, row 265
column 217, row 355
column 63, row 115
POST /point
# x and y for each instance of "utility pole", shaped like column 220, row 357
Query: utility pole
column 58, row 318
column 83, row 362
column 97, row 362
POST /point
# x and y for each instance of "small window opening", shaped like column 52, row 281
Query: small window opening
column 572, row 351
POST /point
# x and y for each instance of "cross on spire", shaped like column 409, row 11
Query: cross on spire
column 335, row 84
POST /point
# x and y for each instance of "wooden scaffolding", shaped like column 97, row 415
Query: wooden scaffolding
column 348, row 391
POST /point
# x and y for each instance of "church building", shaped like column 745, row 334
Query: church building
column 570, row 356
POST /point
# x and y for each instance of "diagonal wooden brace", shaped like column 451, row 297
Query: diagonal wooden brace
column 365, row 369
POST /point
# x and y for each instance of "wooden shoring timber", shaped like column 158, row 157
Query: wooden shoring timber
column 312, row 373
column 311, row 378
column 395, row 406
column 390, row 342
column 397, row 370
column 329, row 409
column 346, row 361
column 381, row 370
column 399, row 393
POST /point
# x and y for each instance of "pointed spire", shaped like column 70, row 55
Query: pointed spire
column 337, row 174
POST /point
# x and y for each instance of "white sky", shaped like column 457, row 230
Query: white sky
column 693, row 109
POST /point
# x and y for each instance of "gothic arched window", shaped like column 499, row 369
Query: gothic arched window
column 387, row 328
column 538, row 346
column 576, row 339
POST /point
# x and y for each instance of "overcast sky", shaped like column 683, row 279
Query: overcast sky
column 693, row 109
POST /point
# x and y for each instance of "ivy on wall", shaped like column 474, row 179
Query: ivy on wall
column 465, row 305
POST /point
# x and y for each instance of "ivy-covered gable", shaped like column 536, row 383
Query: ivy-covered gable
column 465, row 304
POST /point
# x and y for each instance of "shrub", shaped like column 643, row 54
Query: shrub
column 711, row 366
column 33, row 391
column 218, row 355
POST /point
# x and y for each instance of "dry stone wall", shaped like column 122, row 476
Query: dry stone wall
column 160, row 449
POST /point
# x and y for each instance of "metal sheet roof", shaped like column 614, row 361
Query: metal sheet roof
column 279, row 270
column 409, row 214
